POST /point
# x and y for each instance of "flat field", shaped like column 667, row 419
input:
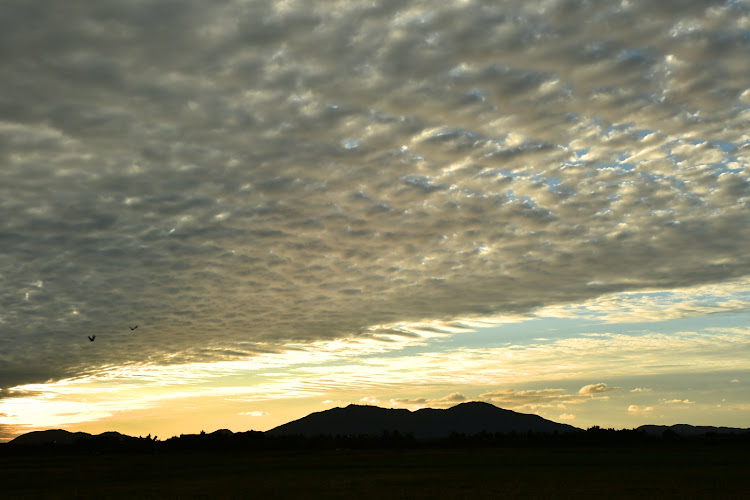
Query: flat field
column 566, row 472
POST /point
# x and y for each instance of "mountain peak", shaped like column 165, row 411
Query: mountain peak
column 477, row 404
column 467, row 418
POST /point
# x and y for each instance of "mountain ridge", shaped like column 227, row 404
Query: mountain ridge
column 426, row 423
column 363, row 420
column 468, row 418
column 63, row 437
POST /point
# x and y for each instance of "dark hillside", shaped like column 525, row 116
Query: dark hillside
column 427, row 423
column 52, row 436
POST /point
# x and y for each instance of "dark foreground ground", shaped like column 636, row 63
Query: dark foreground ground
column 667, row 471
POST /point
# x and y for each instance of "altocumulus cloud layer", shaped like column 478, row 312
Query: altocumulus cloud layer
column 236, row 176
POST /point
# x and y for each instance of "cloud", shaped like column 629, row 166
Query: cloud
column 638, row 410
column 238, row 177
column 641, row 389
column 254, row 413
column 8, row 432
column 370, row 400
column 531, row 400
column 443, row 402
column 526, row 401
column 454, row 396
column 596, row 389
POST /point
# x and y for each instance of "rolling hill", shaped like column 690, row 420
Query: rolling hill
column 63, row 437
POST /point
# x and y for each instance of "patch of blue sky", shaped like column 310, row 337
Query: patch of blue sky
column 724, row 145
column 641, row 133
column 676, row 296
column 535, row 330
column 619, row 127
column 724, row 168
column 528, row 201
column 553, row 184
column 620, row 163
column 578, row 161
column 522, row 333
column 350, row 143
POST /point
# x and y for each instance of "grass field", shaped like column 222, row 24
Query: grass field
column 715, row 472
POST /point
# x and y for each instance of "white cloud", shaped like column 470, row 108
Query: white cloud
column 254, row 413
column 370, row 400
column 596, row 389
column 638, row 410
column 443, row 402
column 532, row 399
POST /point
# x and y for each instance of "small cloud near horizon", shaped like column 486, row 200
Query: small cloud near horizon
column 635, row 409
column 596, row 389
column 444, row 402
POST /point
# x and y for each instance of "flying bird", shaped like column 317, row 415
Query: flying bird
column 133, row 327
column 92, row 338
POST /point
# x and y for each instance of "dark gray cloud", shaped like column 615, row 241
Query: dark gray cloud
column 233, row 176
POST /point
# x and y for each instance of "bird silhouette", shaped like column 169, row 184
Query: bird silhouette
column 92, row 338
column 133, row 327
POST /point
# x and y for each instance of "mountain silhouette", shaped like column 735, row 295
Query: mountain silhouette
column 427, row 423
column 57, row 436
column 372, row 426
column 63, row 437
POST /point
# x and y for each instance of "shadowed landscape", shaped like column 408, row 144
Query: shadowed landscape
column 468, row 451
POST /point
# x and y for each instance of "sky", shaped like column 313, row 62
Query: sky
column 306, row 204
